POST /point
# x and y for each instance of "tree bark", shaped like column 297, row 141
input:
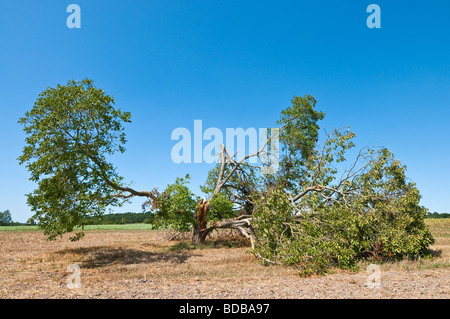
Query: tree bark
column 201, row 231
column 201, row 218
column 195, row 235
column 242, row 223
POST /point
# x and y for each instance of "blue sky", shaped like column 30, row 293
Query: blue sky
column 234, row 64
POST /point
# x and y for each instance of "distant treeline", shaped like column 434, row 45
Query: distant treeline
column 122, row 218
column 12, row 224
column 438, row 215
column 133, row 218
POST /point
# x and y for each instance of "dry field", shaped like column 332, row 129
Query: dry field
column 143, row 264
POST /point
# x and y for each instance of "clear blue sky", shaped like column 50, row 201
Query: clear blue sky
column 234, row 64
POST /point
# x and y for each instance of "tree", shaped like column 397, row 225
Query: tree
column 71, row 130
column 318, row 210
column 373, row 212
column 176, row 206
column 321, row 210
column 5, row 218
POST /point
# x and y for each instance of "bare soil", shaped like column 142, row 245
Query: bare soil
column 144, row 264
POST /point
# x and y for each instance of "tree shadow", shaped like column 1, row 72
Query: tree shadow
column 101, row 256
column 211, row 244
column 435, row 253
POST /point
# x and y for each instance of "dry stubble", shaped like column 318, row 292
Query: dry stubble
column 141, row 264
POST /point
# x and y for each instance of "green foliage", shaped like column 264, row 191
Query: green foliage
column 176, row 206
column 5, row 218
column 383, row 222
column 299, row 136
column 220, row 207
column 319, row 212
column 70, row 131
column 272, row 216
column 300, row 133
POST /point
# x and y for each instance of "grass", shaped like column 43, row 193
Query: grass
column 87, row 227
column 18, row 228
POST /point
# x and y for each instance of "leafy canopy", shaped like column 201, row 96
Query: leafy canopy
column 176, row 206
column 323, row 211
column 5, row 218
column 70, row 131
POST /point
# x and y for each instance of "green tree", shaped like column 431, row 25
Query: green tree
column 176, row 206
column 375, row 215
column 5, row 218
column 71, row 130
column 322, row 210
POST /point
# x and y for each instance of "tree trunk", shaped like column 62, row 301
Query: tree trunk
column 201, row 216
column 195, row 235
column 201, row 231
column 201, row 223
column 242, row 223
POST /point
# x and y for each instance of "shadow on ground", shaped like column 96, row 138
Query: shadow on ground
column 101, row 256
column 435, row 253
column 211, row 244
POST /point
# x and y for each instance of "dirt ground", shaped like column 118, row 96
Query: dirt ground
column 142, row 264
